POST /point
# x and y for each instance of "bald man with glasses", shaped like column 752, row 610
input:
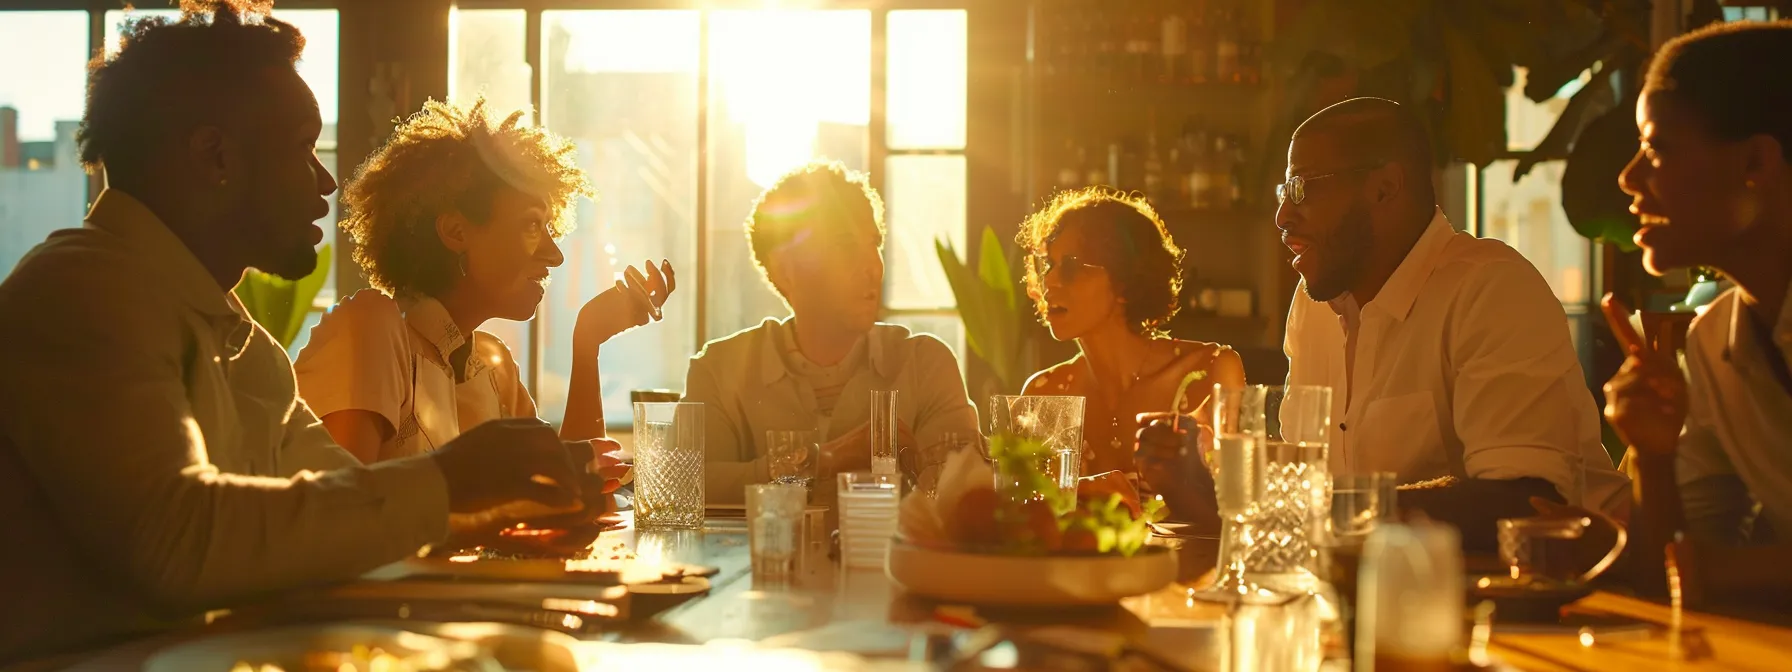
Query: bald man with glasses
column 1449, row 356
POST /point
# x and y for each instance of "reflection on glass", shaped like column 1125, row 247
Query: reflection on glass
column 622, row 85
column 925, row 202
column 926, row 79
column 486, row 56
column 42, row 185
column 786, row 87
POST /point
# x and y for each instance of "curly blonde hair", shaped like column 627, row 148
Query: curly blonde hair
column 1131, row 242
column 449, row 158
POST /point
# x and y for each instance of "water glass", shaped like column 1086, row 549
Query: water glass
column 774, row 529
column 1360, row 502
column 791, row 455
column 1275, row 635
column 669, row 465
column 1056, row 421
column 883, row 432
column 1237, row 465
column 868, row 505
column 1279, row 533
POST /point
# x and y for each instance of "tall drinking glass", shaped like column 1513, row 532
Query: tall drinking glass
column 669, row 465
column 774, row 529
column 1056, row 421
column 1292, row 507
column 868, row 505
column 883, row 432
column 1237, row 464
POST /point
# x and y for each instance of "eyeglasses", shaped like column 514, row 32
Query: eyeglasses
column 1295, row 189
column 1068, row 267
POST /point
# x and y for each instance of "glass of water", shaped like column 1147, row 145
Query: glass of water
column 1237, row 465
column 791, row 455
column 669, row 465
column 1295, row 499
column 1055, row 420
column 1360, row 502
column 868, row 505
column 774, row 529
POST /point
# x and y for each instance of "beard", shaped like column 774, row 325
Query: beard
column 1346, row 251
column 292, row 263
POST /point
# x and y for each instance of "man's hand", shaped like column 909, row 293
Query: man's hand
column 603, row 460
column 509, row 460
column 634, row 301
column 1646, row 401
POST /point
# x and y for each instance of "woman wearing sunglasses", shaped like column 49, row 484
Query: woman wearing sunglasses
column 1103, row 271
column 455, row 221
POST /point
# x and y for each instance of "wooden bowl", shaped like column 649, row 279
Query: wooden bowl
column 1028, row 580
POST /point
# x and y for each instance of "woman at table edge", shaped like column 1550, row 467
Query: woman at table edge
column 1712, row 184
column 1102, row 270
column 455, row 221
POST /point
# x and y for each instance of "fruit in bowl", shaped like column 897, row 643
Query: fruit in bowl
column 1006, row 534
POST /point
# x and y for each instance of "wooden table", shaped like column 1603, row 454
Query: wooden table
column 827, row 608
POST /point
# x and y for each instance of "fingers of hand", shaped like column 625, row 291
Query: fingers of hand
column 671, row 276
column 582, row 452
column 1617, row 316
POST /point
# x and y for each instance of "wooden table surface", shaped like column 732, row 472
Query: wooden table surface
column 827, row 608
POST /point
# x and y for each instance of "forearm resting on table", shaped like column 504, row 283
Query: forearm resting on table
column 1476, row 505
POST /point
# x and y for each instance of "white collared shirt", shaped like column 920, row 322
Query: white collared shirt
column 152, row 448
column 1461, row 366
column 1736, row 449
column 392, row 357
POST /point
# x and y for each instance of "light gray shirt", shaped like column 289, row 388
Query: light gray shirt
column 747, row 387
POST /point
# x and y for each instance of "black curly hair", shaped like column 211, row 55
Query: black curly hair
column 1131, row 241
column 171, row 74
column 818, row 194
column 1722, row 72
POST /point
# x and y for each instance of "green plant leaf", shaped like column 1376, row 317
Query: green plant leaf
column 998, row 281
column 304, row 291
column 968, row 295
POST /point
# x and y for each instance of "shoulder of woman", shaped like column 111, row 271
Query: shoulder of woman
column 492, row 349
column 365, row 309
column 1054, row 378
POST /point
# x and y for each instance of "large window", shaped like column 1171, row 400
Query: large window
column 683, row 116
column 1527, row 214
column 42, row 185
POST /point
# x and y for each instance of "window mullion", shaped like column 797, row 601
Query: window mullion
column 532, row 52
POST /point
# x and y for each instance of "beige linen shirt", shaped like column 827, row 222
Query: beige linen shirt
column 153, row 452
column 1735, row 457
column 746, row 388
column 392, row 357
column 1461, row 366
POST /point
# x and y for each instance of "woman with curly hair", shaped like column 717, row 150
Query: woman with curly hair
column 455, row 221
column 1103, row 271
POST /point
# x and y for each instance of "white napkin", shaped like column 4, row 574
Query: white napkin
column 921, row 519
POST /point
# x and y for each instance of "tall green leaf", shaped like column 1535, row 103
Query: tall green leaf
column 280, row 305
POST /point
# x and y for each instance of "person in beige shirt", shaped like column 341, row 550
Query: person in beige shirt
column 155, row 461
column 455, row 221
column 817, row 235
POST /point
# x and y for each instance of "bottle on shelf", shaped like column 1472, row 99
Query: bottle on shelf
column 1200, row 44
column 1174, row 48
column 1070, row 174
column 1225, row 46
column 1154, row 169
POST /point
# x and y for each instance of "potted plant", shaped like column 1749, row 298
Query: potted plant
column 999, row 327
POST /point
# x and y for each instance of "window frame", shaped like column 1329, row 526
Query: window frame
column 877, row 152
